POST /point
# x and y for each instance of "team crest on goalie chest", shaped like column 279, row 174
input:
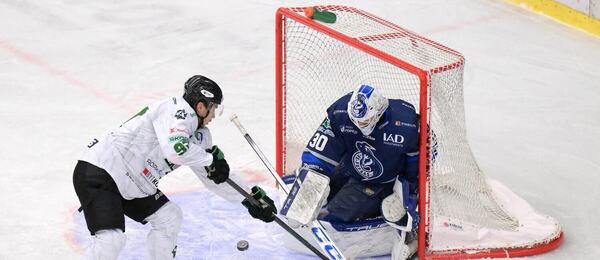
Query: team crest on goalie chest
column 365, row 162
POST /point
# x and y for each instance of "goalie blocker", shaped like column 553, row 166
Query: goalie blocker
column 306, row 198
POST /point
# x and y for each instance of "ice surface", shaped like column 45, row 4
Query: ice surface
column 70, row 70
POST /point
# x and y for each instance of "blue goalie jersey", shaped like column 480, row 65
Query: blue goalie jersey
column 389, row 152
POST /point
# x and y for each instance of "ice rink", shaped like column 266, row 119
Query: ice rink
column 70, row 70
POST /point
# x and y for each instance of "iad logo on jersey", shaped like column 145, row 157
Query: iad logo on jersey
column 365, row 163
column 393, row 138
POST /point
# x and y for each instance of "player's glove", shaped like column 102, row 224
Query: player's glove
column 266, row 210
column 218, row 171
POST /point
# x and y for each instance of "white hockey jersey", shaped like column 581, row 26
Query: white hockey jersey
column 154, row 142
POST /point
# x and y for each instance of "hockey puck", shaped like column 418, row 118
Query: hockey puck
column 242, row 245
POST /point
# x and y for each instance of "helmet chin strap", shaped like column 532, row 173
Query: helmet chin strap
column 201, row 118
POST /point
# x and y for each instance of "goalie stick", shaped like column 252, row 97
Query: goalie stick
column 316, row 228
column 280, row 222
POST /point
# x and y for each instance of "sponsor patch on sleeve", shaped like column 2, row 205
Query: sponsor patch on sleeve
column 178, row 138
column 325, row 128
column 326, row 124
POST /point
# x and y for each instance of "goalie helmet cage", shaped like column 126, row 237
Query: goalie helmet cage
column 463, row 215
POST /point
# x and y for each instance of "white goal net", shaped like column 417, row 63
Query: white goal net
column 462, row 213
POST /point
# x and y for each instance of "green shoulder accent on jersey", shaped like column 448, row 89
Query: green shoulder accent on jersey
column 143, row 111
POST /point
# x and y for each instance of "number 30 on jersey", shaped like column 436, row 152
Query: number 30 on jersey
column 318, row 142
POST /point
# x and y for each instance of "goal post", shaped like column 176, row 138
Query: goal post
column 463, row 214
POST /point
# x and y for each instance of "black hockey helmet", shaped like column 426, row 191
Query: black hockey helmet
column 202, row 89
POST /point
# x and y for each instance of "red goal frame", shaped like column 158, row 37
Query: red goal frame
column 424, row 100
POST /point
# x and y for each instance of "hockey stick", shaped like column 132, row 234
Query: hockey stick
column 277, row 219
column 316, row 227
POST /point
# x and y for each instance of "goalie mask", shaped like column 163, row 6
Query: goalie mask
column 202, row 89
column 366, row 107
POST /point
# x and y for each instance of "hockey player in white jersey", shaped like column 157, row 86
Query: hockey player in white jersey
column 119, row 173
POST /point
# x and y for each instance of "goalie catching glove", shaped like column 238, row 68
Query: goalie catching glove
column 400, row 208
column 218, row 171
column 265, row 210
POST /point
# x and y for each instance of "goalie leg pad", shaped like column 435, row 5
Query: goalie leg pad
column 405, row 245
column 162, row 238
column 307, row 196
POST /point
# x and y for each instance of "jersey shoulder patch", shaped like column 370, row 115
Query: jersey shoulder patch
column 325, row 128
column 338, row 112
column 404, row 114
column 180, row 109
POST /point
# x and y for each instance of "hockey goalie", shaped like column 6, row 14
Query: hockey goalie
column 358, row 175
